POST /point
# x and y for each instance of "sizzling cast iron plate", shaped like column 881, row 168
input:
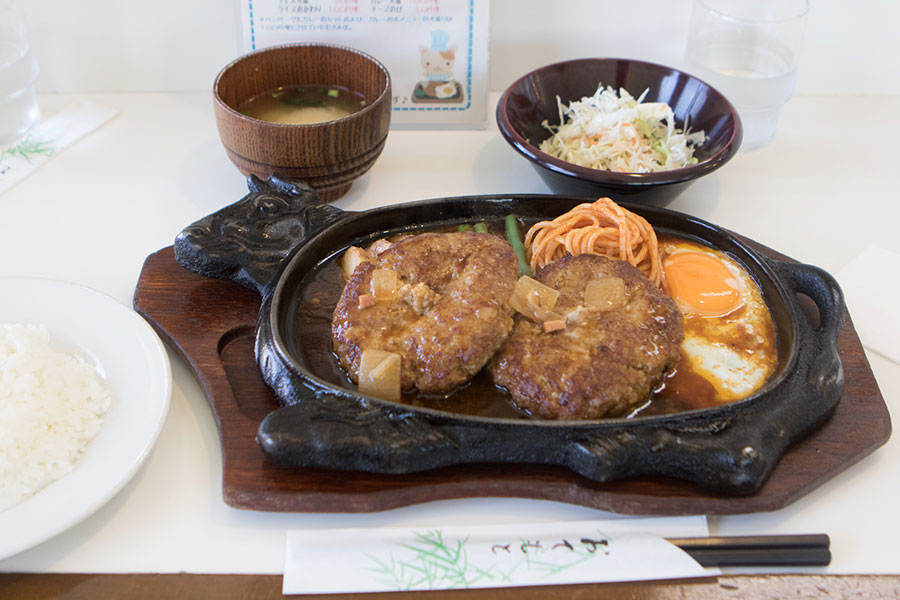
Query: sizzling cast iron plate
column 272, row 237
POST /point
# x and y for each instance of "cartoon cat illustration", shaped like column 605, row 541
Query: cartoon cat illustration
column 437, row 62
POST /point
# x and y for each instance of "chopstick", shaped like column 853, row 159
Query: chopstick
column 758, row 550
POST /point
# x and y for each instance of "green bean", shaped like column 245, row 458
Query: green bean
column 481, row 228
column 512, row 235
column 464, row 228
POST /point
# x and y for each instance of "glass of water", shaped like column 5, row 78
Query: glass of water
column 18, row 72
column 748, row 50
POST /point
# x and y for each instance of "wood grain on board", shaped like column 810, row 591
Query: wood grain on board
column 211, row 323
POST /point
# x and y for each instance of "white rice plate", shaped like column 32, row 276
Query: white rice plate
column 52, row 405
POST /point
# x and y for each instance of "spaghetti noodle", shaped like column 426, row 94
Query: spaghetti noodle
column 602, row 227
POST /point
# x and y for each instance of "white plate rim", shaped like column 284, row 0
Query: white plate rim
column 130, row 344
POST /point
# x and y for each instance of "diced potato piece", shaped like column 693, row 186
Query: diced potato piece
column 379, row 374
column 607, row 293
column 351, row 259
column 385, row 284
column 534, row 299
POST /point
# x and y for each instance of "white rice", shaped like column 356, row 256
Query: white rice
column 51, row 407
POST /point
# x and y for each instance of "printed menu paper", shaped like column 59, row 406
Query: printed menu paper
column 393, row 559
column 435, row 50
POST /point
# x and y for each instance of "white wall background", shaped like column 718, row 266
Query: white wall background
column 180, row 45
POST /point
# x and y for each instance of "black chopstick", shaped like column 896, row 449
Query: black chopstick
column 758, row 550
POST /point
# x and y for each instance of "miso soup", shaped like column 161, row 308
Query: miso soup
column 302, row 105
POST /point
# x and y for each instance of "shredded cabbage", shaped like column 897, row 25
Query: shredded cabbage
column 616, row 132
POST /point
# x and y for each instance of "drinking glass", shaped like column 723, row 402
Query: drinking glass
column 748, row 50
column 18, row 72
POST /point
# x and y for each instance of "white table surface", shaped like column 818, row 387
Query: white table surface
column 820, row 193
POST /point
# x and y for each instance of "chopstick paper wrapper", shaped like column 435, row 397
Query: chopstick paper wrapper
column 48, row 138
column 459, row 557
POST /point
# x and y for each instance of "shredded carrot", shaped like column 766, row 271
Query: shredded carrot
column 366, row 300
column 602, row 227
column 554, row 325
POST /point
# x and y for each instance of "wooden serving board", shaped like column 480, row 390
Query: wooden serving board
column 211, row 323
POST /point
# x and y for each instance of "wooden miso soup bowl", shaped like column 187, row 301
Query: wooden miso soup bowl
column 328, row 156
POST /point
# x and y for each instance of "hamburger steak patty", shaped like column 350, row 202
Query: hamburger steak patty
column 603, row 363
column 450, row 316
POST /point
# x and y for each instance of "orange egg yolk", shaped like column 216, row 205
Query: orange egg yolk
column 703, row 283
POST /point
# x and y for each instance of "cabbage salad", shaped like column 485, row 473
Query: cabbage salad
column 616, row 132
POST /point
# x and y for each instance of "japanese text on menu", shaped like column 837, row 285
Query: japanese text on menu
column 435, row 50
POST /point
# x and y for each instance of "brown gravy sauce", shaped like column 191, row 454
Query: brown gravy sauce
column 681, row 390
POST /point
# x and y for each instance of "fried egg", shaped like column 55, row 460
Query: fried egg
column 729, row 336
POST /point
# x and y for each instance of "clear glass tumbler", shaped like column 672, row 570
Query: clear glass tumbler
column 749, row 50
column 18, row 72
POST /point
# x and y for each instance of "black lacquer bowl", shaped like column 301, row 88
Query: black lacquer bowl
column 276, row 238
column 532, row 99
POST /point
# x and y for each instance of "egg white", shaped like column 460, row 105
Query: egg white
column 735, row 352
